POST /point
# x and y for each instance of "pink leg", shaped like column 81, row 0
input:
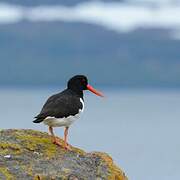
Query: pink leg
column 66, row 145
column 54, row 139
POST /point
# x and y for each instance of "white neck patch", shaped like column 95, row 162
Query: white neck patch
column 81, row 100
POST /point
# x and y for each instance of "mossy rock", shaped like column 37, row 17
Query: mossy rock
column 30, row 155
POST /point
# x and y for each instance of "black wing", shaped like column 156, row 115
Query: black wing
column 60, row 105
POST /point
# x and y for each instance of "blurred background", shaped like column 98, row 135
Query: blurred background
column 129, row 49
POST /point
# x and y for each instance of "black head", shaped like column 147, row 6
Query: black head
column 79, row 83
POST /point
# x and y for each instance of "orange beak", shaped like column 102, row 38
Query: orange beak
column 90, row 88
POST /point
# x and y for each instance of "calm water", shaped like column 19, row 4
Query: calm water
column 140, row 129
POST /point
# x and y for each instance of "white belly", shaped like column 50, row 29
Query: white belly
column 58, row 122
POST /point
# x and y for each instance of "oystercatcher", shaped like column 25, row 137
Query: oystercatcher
column 64, row 108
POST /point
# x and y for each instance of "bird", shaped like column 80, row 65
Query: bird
column 64, row 108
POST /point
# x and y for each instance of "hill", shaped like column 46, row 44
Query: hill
column 48, row 53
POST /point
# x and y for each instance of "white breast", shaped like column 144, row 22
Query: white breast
column 58, row 122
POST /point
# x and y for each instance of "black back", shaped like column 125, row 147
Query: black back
column 61, row 105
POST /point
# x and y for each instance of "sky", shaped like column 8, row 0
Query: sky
column 117, row 16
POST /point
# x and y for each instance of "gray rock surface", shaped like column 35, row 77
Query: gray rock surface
column 29, row 154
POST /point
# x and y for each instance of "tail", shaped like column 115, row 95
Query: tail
column 38, row 119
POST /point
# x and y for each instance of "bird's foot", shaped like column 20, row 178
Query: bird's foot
column 67, row 147
column 56, row 142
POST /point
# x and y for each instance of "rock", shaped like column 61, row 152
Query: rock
column 30, row 155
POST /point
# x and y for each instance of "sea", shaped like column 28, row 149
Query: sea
column 139, row 128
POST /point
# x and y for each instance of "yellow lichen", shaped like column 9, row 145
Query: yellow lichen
column 33, row 140
column 42, row 177
column 5, row 147
column 37, row 143
column 27, row 168
column 6, row 173
column 78, row 151
column 37, row 177
column 114, row 172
